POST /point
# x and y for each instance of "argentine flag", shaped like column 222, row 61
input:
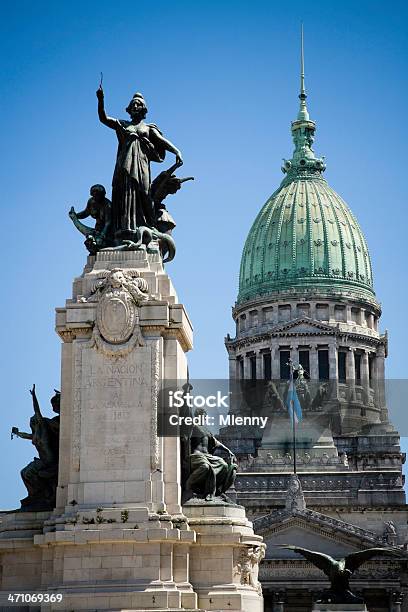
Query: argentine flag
column 293, row 404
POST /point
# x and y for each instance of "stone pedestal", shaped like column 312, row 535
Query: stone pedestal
column 123, row 332
column 339, row 607
column 224, row 559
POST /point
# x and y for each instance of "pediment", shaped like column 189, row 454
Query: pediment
column 297, row 535
column 303, row 326
column 311, row 530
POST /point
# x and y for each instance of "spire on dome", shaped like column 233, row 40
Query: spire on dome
column 304, row 162
column 303, row 114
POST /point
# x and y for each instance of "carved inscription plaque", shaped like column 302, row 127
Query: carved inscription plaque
column 114, row 415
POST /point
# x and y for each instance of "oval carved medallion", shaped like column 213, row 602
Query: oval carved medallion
column 116, row 316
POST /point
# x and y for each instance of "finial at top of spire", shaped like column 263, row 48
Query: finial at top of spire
column 303, row 114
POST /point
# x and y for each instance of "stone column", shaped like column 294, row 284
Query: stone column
column 314, row 363
column 365, row 377
column 232, row 365
column 247, row 367
column 348, row 314
column 380, row 382
column 259, row 366
column 333, row 370
column 275, row 362
column 350, row 373
column 332, row 317
column 238, row 368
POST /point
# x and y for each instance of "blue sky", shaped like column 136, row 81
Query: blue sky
column 221, row 81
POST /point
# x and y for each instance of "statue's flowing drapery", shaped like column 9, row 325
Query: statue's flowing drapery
column 209, row 473
column 132, row 205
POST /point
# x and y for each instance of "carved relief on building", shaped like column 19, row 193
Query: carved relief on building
column 295, row 499
column 390, row 535
column 247, row 566
column 118, row 295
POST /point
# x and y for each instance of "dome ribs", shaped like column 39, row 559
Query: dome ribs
column 333, row 203
column 326, row 258
column 309, row 227
column 295, row 197
column 305, row 236
column 278, row 257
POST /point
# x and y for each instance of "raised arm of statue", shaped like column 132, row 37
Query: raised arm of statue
column 36, row 405
column 103, row 118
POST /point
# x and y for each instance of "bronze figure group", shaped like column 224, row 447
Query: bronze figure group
column 136, row 218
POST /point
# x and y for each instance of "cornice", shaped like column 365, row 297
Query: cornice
column 321, row 330
column 308, row 294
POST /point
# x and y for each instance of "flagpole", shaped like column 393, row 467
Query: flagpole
column 294, row 443
column 293, row 416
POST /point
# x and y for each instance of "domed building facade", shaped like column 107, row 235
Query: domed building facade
column 306, row 298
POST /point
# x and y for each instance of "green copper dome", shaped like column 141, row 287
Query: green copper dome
column 305, row 235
